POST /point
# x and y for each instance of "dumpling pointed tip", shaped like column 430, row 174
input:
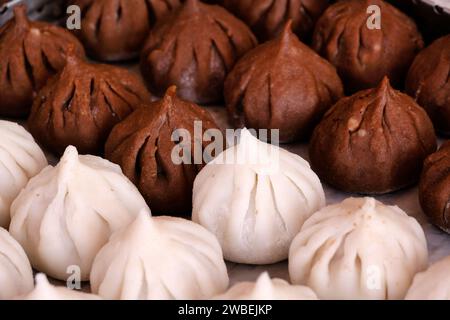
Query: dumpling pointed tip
column 21, row 15
column 288, row 27
column 384, row 85
column 264, row 277
column 246, row 136
column 70, row 151
column 41, row 280
column 171, row 91
column 169, row 96
column 69, row 158
column 71, row 56
column 144, row 214
column 287, row 30
column 286, row 36
column 263, row 283
column 192, row 5
column 143, row 221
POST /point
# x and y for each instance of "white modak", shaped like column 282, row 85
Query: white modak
column 255, row 197
column 358, row 249
column 266, row 288
column 20, row 159
column 67, row 213
column 16, row 276
column 432, row 284
column 160, row 258
column 45, row 291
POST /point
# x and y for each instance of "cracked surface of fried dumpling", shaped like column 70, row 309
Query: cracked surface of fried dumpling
column 363, row 55
column 82, row 103
column 281, row 84
column 114, row 30
column 267, row 17
column 434, row 187
column 194, row 49
column 30, row 52
column 428, row 82
column 373, row 142
column 142, row 145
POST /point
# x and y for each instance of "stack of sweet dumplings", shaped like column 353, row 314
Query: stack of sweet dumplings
column 115, row 210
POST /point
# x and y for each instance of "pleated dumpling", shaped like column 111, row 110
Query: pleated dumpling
column 45, row 291
column 358, row 249
column 67, row 213
column 266, row 288
column 432, row 284
column 255, row 197
column 16, row 276
column 160, row 258
column 20, row 159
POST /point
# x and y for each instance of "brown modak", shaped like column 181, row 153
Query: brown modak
column 434, row 187
column 194, row 49
column 80, row 105
column 362, row 50
column 267, row 17
column 30, row 52
column 428, row 82
column 142, row 145
column 114, row 30
column 373, row 142
column 281, row 84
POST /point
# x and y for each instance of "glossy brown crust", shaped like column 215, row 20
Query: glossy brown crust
column 30, row 52
column 363, row 56
column 434, row 188
column 373, row 142
column 114, row 30
column 142, row 146
column 428, row 82
column 194, row 49
column 80, row 105
column 281, row 84
column 267, row 17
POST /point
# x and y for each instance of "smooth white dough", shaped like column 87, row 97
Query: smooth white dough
column 21, row 158
column 67, row 213
column 45, row 291
column 160, row 258
column 432, row 284
column 358, row 249
column 16, row 276
column 267, row 289
column 255, row 197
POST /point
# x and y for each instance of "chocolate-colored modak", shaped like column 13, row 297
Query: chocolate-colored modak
column 428, row 82
column 267, row 17
column 30, row 52
column 364, row 46
column 194, row 49
column 434, row 187
column 80, row 105
column 114, row 30
column 373, row 142
column 144, row 146
column 282, row 84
